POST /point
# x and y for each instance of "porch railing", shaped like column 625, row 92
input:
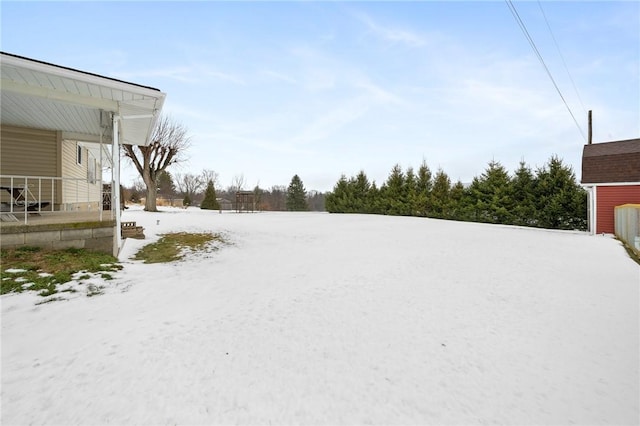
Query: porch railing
column 38, row 196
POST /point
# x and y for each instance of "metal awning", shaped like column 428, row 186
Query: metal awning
column 46, row 96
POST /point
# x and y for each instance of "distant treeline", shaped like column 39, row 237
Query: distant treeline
column 192, row 190
column 550, row 197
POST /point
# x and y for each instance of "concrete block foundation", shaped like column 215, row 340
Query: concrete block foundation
column 92, row 236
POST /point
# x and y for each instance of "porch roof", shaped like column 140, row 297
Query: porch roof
column 41, row 95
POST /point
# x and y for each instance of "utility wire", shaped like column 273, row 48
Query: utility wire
column 562, row 57
column 516, row 16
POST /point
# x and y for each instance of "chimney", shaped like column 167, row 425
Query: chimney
column 590, row 129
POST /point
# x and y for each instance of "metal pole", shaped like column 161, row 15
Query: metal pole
column 100, row 194
column 12, row 200
column 115, row 183
column 88, row 183
column 24, row 198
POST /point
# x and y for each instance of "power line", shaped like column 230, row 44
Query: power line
column 562, row 57
column 523, row 27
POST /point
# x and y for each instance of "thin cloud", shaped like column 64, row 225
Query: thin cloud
column 279, row 76
column 316, row 79
column 315, row 71
column 184, row 110
column 182, row 74
column 378, row 93
column 394, row 35
column 238, row 140
column 223, row 76
column 336, row 117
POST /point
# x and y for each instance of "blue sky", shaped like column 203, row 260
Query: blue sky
column 319, row 89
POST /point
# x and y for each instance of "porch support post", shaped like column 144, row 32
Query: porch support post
column 115, row 184
column 100, row 187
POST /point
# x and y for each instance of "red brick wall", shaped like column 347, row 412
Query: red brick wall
column 607, row 197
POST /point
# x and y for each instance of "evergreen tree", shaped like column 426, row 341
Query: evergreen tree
column 296, row 195
column 440, row 195
column 561, row 202
column 459, row 202
column 334, row 201
column 393, row 192
column 491, row 195
column 375, row 200
column 423, row 190
column 410, row 193
column 522, row 189
column 186, row 201
column 209, row 202
column 360, row 193
column 166, row 186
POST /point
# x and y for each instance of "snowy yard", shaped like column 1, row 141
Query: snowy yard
column 311, row 318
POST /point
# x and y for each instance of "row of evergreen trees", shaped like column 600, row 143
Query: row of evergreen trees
column 548, row 198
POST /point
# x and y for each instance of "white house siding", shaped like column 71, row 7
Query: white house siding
column 78, row 193
column 33, row 153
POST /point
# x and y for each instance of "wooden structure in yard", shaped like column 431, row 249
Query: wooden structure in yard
column 245, row 201
column 131, row 230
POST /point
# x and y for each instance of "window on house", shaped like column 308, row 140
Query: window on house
column 79, row 154
column 91, row 170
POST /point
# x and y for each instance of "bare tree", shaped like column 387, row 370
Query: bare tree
column 237, row 183
column 189, row 184
column 278, row 197
column 257, row 196
column 169, row 141
column 138, row 185
column 178, row 178
column 209, row 175
column 137, row 190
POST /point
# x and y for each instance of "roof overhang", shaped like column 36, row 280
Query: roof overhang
column 41, row 95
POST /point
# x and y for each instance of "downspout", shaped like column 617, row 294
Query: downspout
column 115, row 183
column 591, row 208
column 594, row 209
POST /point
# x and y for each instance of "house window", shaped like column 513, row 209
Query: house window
column 79, row 154
column 91, row 170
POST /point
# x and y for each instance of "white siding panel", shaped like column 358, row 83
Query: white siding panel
column 29, row 152
column 77, row 190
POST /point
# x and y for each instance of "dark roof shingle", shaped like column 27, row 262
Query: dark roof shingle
column 611, row 162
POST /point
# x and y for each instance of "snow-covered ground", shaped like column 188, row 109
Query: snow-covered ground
column 311, row 318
